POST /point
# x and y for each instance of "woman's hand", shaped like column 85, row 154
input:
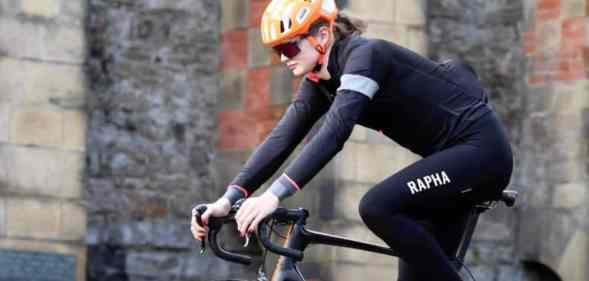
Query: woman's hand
column 253, row 210
column 218, row 209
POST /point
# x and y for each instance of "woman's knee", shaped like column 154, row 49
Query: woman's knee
column 368, row 209
column 377, row 204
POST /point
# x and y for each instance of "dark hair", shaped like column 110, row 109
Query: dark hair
column 344, row 26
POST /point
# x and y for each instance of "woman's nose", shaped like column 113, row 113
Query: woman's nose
column 283, row 58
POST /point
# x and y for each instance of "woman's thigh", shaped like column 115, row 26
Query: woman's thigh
column 447, row 181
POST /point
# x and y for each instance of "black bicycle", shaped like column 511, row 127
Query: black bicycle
column 299, row 237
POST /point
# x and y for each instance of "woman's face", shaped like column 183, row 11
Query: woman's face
column 304, row 61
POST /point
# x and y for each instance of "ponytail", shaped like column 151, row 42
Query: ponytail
column 344, row 26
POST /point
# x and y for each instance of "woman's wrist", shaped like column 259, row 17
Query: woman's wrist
column 223, row 202
column 271, row 195
column 283, row 187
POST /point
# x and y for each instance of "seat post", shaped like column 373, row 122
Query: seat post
column 471, row 224
column 508, row 197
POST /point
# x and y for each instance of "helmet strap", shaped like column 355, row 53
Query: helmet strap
column 314, row 75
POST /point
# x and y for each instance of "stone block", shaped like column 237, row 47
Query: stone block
column 359, row 134
column 2, row 218
column 40, row 126
column 376, row 162
column 354, row 256
column 77, row 250
column 548, row 38
column 548, row 9
column 236, row 131
column 256, row 11
column 570, row 195
column 537, row 226
column 347, row 198
column 73, row 222
column 482, row 272
column 65, row 44
column 69, row 177
column 41, row 8
column 346, row 162
column 373, row 10
column 559, row 230
column 32, row 171
column 258, row 89
column 397, row 34
column 353, row 230
column 73, row 12
column 32, row 218
column 233, row 89
column 569, row 168
column 572, row 8
column 417, row 40
column 258, row 54
column 364, row 271
column 11, row 81
column 49, row 42
column 14, row 44
column 234, row 49
column 5, row 111
column 492, row 231
column 234, row 14
column 227, row 165
column 75, row 126
column 48, row 82
column 376, row 137
column 281, row 85
column 27, row 82
column 575, row 258
column 572, row 97
column 319, row 254
column 10, row 8
column 411, row 12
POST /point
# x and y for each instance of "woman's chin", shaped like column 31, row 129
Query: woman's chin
column 297, row 72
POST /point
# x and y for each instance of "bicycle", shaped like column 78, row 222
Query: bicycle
column 299, row 237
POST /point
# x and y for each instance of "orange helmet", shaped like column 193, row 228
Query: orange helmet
column 285, row 19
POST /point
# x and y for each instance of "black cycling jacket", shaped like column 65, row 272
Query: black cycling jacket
column 422, row 105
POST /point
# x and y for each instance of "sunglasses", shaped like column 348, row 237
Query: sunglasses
column 289, row 49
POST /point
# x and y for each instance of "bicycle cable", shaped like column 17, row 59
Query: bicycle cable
column 466, row 268
column 262, row 268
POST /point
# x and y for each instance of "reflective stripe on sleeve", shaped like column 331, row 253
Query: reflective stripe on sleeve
column 358, row 83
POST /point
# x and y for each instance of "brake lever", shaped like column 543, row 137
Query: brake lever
column 199, row 211
column 235, row 208
column 247, row 240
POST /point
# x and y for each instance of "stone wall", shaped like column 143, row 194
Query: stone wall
column 153, row 92
column 532, row 55
column 42, row 137
column 555, row 138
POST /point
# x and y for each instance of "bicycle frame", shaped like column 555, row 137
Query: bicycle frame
column 299, row 237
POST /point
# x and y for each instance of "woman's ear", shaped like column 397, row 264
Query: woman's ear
column 324, row 35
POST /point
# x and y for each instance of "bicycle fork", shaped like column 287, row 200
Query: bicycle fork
column 286, row 268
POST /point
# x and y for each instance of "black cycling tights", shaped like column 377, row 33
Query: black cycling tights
column 439, row 189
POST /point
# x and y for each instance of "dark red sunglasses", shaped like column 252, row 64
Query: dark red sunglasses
column 289, row 49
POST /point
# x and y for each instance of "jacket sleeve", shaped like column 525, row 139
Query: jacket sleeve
column 363, row 72
column 308, row 106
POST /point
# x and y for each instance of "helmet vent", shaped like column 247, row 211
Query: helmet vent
column 302, row 15
column 285, row 25
column 329, row 5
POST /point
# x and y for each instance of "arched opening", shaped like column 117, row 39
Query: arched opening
column 536, row 271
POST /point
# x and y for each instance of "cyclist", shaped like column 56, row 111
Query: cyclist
column 437, row 110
